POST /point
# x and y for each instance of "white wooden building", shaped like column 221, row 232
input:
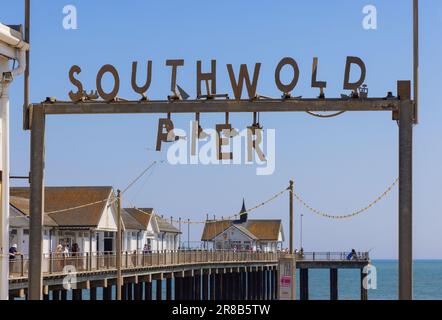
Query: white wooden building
column 243, row 234
column 68, row 220
column 92, row 227
column 144, row 227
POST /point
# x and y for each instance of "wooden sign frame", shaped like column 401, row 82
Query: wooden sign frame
column 401, row 106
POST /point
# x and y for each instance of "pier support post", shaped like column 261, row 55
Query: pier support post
column 275, row 283
column 187, row 288
column 130, row 287
column 197, row 293
column 55, row 295
column 264, row 284
column 191, row 288
column 405, row 191
column 304, row 284
column 333, row 284
column 205, row 285
column 364, row 291
column 77, row 294
column 269, row 284
column 159, row 293
column 212, row 286
column 243, row 285
column 169, row 288
column 218, row 286
column 148, row 290
column 93, row 293
column 123, row 291
column 177, row 288
column 107, row 293
column 238, row 285
column 249, row 285
column 138, row 291
column 224, row 284
column 36, row 204
column 259, row 285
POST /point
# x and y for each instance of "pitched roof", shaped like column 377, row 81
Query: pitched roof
column 166, row 226
column 264, row 229
column 214, row 228
column 59, row 198
column 22, row 205
column 142, row 215
column 260, row 229
column 129, row 222
column 245, row 231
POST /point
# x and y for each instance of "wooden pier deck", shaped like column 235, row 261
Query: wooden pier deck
column 196, row 274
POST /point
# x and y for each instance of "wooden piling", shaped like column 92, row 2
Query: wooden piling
column 333, row 284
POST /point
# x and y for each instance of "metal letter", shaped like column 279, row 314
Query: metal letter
column 112, row 95
column 174, row 64
column 141, row 90
column 289, row 87
column 354, row 85
column 205, row 76
column 244, row 76
column 79, row 94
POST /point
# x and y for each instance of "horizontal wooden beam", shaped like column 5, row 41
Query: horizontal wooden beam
column 213, row 106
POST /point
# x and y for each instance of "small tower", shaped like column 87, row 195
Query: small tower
column 242, row 213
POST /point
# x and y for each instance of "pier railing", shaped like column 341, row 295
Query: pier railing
column 332, row 256
column 54, row 263
column 96, row 261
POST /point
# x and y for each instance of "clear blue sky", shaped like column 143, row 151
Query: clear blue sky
column 338, row 164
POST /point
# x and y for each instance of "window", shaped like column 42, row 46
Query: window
column 108, row 234
column 26, row 231
column 13, row 231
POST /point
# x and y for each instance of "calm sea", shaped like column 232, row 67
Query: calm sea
column 427, row 282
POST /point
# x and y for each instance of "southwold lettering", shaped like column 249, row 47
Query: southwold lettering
column 237, row 80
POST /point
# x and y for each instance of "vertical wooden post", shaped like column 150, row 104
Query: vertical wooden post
column 205, row 291
column 118, row 247
column 364, row 291
column 159, row 292
column 36, row 204
column 269, row 285
column 333, row 284
column 218, row 286
column 244, row 284
column 304, row 284
column 169, row 288
column 405, row 191
column 148, row 290
column 55, row 295
column 275, row 283
column 416, row 59
column 77, row 294
column 249, row 285
column 26, row 86
column 93, row 293
column 291, row 215
column 197, row 286
column 130, row 287
column 227, row 290
column 212, row 285
column 177, row 289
